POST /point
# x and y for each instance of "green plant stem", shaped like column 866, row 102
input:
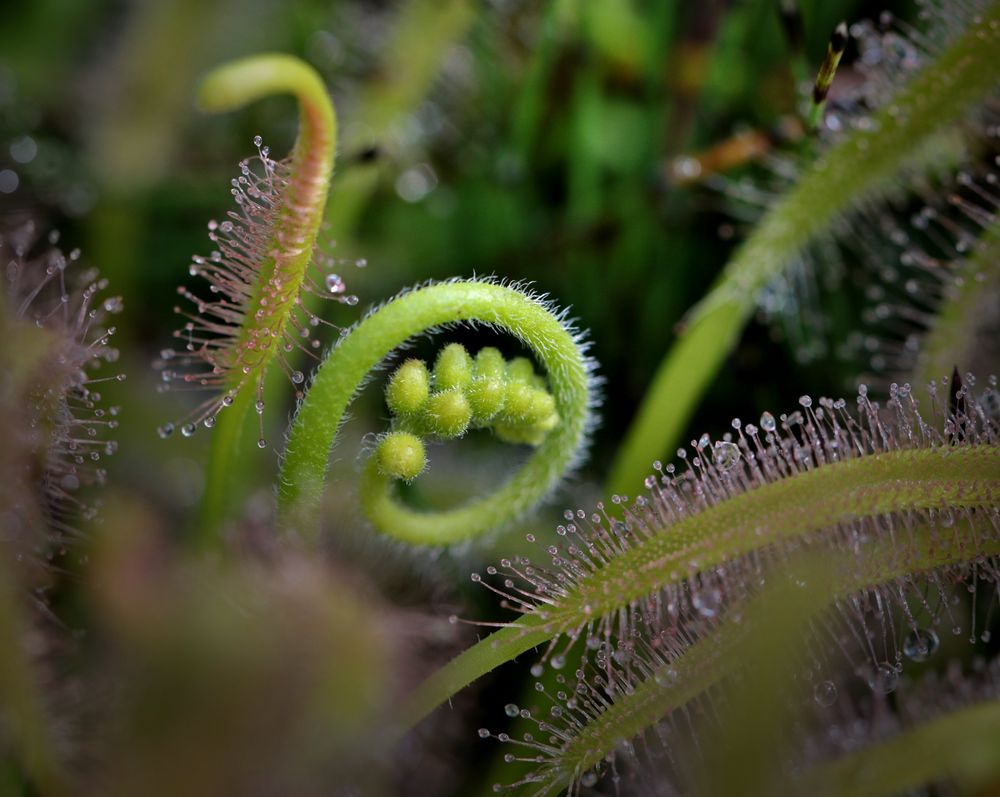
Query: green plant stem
column 315, row 426
column 874, row 485
column 858, row 169
column 233, row 86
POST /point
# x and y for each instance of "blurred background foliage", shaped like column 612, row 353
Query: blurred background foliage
column 530, row 140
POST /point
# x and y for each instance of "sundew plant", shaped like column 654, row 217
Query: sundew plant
column 584, row 398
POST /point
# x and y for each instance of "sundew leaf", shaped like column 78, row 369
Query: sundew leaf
column 746, row 640
column 259, row 271
column 859, row 169
column 825, row 468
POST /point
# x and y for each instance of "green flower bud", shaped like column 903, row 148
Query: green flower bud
column 518, row 434
column 486, row 398
column 408, row 388
column 520, row 369
column 518, row 403
column 453, row 367
column 490, row 363
column 541, row 406
column 400, row 455
column 447, row 414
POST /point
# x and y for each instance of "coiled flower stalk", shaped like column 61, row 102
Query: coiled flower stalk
column 553, row 413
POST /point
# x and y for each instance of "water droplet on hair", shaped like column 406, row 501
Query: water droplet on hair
column 767, row 422
column 825, row 693
column 707, row 602
column 166, row 430
column 262, row 443
column 298, row 377
column 334, row 283
column 726, row 455
column 484, row 733
column 511, row 710
column 884, row 679
column 187, row 429
column 920, row 644
column 257, row 141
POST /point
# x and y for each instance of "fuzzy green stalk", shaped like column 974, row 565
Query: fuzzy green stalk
column 858, row 169
column 875, row 485
column 230, row 87
column 314, row 429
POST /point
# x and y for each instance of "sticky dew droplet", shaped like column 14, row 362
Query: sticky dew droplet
column 884, row 679
column 726, row 455
column 825, row 693
column 920, row 644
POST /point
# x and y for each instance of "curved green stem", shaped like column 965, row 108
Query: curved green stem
column 858, row 169
column 874, row 485
column 315, row 426
column 293, row 238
